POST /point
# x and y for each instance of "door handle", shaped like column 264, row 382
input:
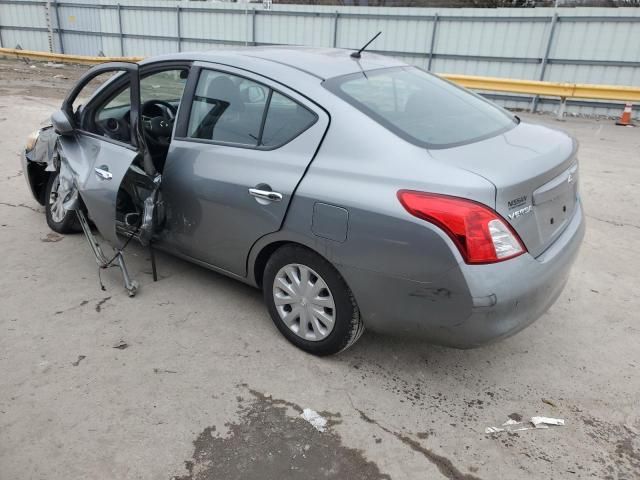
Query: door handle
column 103, row 173
column 265, row 194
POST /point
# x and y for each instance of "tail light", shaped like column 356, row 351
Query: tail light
column 481, row 235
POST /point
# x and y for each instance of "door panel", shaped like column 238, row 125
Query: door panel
column 98, row 168
column 212, row 216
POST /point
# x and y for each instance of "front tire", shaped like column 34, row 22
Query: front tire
column 309, row 301
column 58, row 219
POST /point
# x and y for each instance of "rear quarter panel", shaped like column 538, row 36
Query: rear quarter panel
column 399, row 268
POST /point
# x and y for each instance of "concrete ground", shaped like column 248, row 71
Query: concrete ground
column 191, row 379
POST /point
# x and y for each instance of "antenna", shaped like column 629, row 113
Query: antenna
column 357, row 54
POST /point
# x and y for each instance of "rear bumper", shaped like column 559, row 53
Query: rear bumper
column 508, row 300
column 470, row 305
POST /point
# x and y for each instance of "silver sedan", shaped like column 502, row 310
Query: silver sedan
column 356, row 191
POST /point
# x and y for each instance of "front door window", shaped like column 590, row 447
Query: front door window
column 160, row 95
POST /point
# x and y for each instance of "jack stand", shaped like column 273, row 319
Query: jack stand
column 130, row 285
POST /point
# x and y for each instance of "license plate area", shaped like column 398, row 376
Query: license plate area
column 554, row 203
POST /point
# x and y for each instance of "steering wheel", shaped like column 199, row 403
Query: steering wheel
column 157, row 130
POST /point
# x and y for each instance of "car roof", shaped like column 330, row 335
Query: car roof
column 322, row 63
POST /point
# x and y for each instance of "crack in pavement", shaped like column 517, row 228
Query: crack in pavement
column 613, row 222
column 443, row 464
column 19, row 174
column 7, row 204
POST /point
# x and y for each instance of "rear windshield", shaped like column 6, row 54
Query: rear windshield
column 420, row 107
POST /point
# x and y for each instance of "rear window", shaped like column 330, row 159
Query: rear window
column 420, row 107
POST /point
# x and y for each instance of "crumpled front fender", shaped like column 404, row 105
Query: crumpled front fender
column 44, row 150
column 40, row 161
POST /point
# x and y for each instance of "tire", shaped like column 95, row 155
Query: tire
column 327, row 297
column 58, row 221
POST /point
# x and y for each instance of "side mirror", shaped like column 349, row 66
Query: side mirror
column 61, row 123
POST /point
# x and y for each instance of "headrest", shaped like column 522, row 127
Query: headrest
column 222, row 88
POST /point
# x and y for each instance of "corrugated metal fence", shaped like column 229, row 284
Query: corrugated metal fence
column 584, row 45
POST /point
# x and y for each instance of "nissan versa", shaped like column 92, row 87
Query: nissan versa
column 356, row 191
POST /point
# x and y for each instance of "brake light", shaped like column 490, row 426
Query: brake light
column 481, row 235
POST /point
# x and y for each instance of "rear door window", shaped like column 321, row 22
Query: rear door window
column 227, row 109
column 235, row 110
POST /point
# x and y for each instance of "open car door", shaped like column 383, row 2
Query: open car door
column 95, row 164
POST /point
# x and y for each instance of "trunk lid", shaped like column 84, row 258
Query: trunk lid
column 535, row 172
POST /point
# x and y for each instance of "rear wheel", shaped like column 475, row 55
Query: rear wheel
column 310, row 302
column 58, row 218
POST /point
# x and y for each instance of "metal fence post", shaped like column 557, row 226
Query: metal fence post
column 433, row 41
column 561, row 109
column 47, row 19
column 178, row 28
column 335, row 30
column 246, row 24
column 253, row 26
column 545, row 58
column 120, row 32
column 1, row 45
column 55, row 7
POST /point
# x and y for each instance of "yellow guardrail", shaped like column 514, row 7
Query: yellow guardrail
column 549, row 89
column 491, row 84
column 62, row 58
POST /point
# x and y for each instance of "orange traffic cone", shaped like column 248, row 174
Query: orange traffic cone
column 625, row 118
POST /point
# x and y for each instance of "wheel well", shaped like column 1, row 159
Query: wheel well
column 38, row 178
column 263, row 258
column 266, row 252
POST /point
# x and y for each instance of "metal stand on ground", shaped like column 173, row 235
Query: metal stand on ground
column 154, row 271
column 130, row 285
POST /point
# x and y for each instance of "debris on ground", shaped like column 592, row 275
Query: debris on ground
column 315, row 419
column 121, row 345
column 537, row 421
column 162, row 370
column 60, row 76
column 493, row 430
column 44, row 366
column 534, row 423
column 52, row 237
column 77, row 362
column 548, row 402
column 101, row 303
